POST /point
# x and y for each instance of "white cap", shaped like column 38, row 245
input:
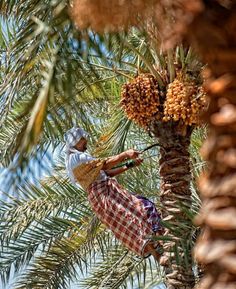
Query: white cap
column 74, row 135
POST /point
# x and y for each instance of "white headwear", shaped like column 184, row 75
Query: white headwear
column 73, row 136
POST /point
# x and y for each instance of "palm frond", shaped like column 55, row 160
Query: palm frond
column 120, row 269
column 57, row 267
column 64, row 249
column 38, row 202
column 113, row 141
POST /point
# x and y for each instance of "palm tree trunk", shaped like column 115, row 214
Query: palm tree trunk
column 176, row 199
column 213, row 32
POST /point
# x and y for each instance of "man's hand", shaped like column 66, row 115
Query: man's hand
column 111, row 162
column 134, row 163
column 132, row 154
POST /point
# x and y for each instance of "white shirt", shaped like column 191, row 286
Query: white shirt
column 76, row 158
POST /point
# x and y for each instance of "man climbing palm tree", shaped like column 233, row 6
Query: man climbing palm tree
column 133, row 219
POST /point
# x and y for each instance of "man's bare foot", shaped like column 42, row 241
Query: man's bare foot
column 163, row 260
column 153, row 251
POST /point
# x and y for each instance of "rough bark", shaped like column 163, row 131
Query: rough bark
column 213, row 32
column 176, row 199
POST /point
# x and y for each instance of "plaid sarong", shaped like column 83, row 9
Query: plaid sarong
column 132, row 219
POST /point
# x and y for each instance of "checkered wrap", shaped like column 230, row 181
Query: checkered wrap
column 129, row 217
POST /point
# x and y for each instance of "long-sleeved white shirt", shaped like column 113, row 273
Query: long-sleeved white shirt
column 75, row 158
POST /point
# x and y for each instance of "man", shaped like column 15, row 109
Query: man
column 133, row 219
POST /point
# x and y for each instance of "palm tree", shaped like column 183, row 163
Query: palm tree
column 54, row 57
column 167, row 104
column 172, row 123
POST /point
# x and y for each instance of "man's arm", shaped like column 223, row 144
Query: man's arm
column 115, row 160
column 117, row 171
